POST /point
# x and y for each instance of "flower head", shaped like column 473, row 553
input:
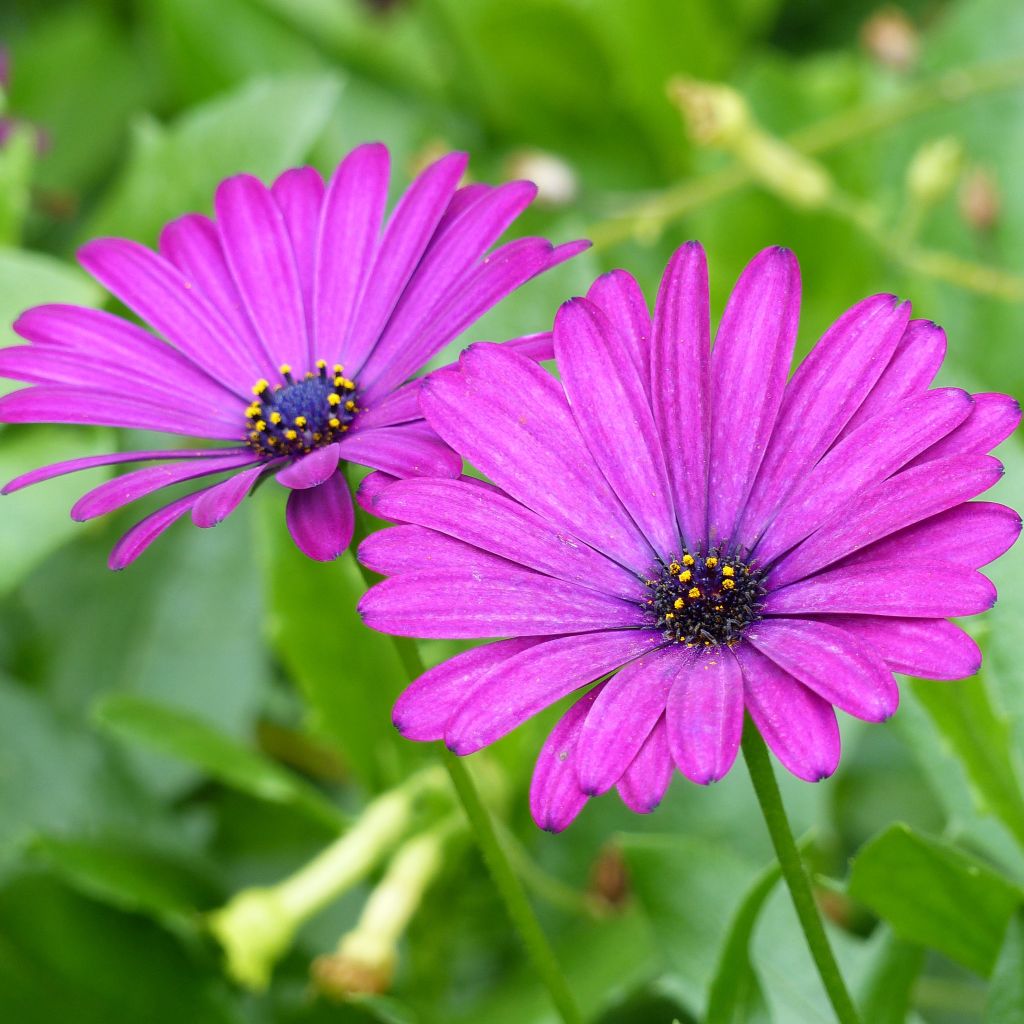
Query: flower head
column 692, row 528
column 286, row 329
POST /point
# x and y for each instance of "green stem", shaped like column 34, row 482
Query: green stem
column 767, row 789
column 505, row 879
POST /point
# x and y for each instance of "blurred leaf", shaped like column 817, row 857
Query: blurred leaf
column 17, row 159
column 181, row 735
column 885, row 995
column 1006, row 994
column 262, row 128
column 936, row 896
column 66, row 958
column 129, row 876
column 980, row 738
column 349, row 675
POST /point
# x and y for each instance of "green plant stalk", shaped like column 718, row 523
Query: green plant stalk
column 755, row 753
column 505, row 879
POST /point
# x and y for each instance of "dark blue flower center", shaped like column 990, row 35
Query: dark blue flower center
column 296, row 416
column 704, row 600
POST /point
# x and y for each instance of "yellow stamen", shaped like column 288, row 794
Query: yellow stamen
column 285, row 368
column 334, row 423
column 334, row 399
column 728, row 584
column 711, row 562
column 688, row 559
column 693, row 592
column 728, row 570
column 291, row 434
column 275, row 417
column 259, row 387
column 685, row 576
column 261, row 425
column 350, row 405
column 300, row 421
column 678, row 603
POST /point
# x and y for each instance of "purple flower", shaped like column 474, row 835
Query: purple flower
column 287, row 329
column 682, row 518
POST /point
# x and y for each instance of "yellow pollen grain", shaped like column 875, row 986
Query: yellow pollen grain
column 317, row 437
column 334, row 423
column 674, row 568
column 275, row 417
column 338, row 368
column 350, row 405
column 678, row 603
column 300, row 421
column 670, row 615
column 259, row 387
column 693, row 592
column 291, row 434
column 688, row 559
column 685, row 576
column 728, row 570
column 261, row 425
column 344, row 428
column 271, row 440
column 285, row 368
column 711, row 562
column 334, row 399
column 321, row 364
column 728, row 584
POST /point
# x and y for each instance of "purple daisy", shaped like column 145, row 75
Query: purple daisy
column 686, row 526
column 287, row 329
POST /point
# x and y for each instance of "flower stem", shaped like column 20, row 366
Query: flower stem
column 768, row 796
column 505, row 879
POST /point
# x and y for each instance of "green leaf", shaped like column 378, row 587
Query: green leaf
column 130, row 876
column 935, row 895
column 181, row 735
column 1006, row 993
column 264, row 127
column 886, row 992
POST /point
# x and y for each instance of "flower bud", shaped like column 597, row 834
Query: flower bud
column 555, row 179
column 979, row 201
column 891, row 38
column 934, row 170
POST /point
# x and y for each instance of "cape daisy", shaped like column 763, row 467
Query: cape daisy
column 682, row 518
column 287, row 328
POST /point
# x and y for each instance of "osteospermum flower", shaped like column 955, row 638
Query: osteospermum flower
column 684, row 522
column 286, row 328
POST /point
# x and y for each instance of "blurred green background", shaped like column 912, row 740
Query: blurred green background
column 212, row 717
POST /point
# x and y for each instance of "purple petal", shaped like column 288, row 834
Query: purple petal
column 218, row 502
column 619, row 297
column 911, row 370
column 350, row 223
column 311, row 470
column 372, row 485
column 425, row 706
column 826, row 390
column 494, row 599
column 129, row 487
column 143, row 533
column 555, row 795
column 862, row 459
column 500, row 273
column 680, row 384
column 406, row 449
column 833, row 663
column 798, row 726
column 622, row 718
column 400, row 406
column 704, row 715
column 900, row 501
column 509, row 418
column 645, row 781
column 534, row 679
column 259, row 251
column 972, row 534
column 192, row 244
column 494, row 522
column 538, row 347
column 321, row 519
column 458, row 245
column 929, row 648
column 405, row 549
column 749, row 365
column 595, row 385
column 992, row 420
column 409, row 229
column 936, row 591
column 299, row 194
column 56, row 469
column 165, row 298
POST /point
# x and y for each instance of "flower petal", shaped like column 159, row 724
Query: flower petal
column 509, row 418
column 825, row 391
column 538, row 347
column 406, row 449
column 299, row 194
column 400, row 406
column 884, row 508
column 312, row 469
column 749, row 365
column 622, row 718
column 404, row 549
column 143, row 533
column 526, row 684
column 350, row 221
column 704, row 715
column 555, row 795
column 619, row 297
column 929, row 648
column 218, row 502
column 798, row 726
column 992, row 420
column 939, row 590
column 645, row 781
column 831, row 662
column 494, row 522
column 425, row 706
column 680, row 385
column 607, row 398
column 494, row 599
column 321, row 519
